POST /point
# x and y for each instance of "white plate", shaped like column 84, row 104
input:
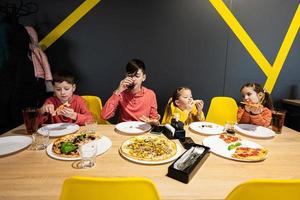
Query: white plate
column 10, row 144
column 59, row 129
column 254, row 131
column 219, row 147
column 178, row 153
column 133, row 127
column 207, row 128
column 103, row 144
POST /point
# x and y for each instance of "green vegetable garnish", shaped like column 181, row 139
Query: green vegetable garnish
column 232, row 146
column 67, row 147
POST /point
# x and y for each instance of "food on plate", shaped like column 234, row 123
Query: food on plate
column 149, row 148
column 60, row 108
column 228, row 138
column 67, row 146
column 206, row 126
column 250, row 154
column 234, row 145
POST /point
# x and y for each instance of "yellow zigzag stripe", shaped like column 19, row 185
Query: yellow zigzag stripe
column 67, row 23
column 271, row 72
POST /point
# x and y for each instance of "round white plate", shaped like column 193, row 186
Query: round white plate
column 59, row 129
column 133, row 127
column 103, row 144
column 219, row 147
column 178, row 153
column 207, row 128
column 10, row 144
column 254, row 130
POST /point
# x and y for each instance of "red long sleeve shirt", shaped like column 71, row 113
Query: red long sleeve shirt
column 262, row 119
column 77, row 103
column 132, row 106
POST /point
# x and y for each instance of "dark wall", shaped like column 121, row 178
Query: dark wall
column 183, row 43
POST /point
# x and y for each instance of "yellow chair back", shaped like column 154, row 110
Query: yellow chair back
column 94, row 105
column 165, row 116
column 95, row 188
column 263, row 189
column 222, row 109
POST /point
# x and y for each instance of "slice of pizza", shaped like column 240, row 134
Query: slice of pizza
column 256, row 105
column 60, row 108
column 250, row 154
column 67, row 146
column 228, row 138
column 149, row 148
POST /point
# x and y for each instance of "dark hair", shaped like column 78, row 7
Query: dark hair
column 175, row 96
column 64, row 75
column 266, row 99
column 134, row 65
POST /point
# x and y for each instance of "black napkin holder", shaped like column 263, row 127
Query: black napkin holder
column 187, row 174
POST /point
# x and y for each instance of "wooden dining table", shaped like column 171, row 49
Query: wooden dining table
column 33, row 175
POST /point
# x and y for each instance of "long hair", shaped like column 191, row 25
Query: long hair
column 266, row 99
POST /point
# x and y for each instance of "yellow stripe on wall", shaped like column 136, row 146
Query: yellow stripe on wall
column 67, row 23
column 271, row 71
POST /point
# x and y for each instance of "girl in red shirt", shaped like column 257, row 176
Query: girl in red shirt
column 256, row 107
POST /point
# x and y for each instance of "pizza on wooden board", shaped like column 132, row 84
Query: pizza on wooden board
column 67, row 146
column 250, row 154
column 149, row 148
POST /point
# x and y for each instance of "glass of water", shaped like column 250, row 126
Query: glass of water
column 40, row 140
column 88, row 153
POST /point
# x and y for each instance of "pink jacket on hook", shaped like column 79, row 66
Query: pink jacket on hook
column 38, row 57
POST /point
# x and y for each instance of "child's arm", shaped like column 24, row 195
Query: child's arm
column 44, row 111
column 243, row 116
column 262, row 119
column 110, row 107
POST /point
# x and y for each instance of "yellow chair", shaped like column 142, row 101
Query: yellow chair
column 264, row 189
column 164, row 119
column 94, row 105
column 92, row 188
column 222, row 109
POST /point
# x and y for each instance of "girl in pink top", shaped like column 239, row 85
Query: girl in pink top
column 136, row 102
column 64, row 106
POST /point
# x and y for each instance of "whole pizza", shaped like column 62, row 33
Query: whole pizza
column 250, row 154
column 149, row 148
column 67, row 146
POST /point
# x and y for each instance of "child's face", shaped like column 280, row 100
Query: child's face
column 249, row 95
column 185, row 100
column 64, row 91
column 138, row 78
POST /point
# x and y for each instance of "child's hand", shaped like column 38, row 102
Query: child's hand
column 124, row 84
column 199, row 105
column 47, row 108
column 254, row 109
column 68, row 112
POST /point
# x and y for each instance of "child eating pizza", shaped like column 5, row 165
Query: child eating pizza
column 256, row 107
column 64, row 106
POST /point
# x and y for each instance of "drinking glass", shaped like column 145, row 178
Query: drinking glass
column 91, row 126
column 278, row 117
column 30, row 119
column 229, row 127
column 40, row 140
column 88, row 153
